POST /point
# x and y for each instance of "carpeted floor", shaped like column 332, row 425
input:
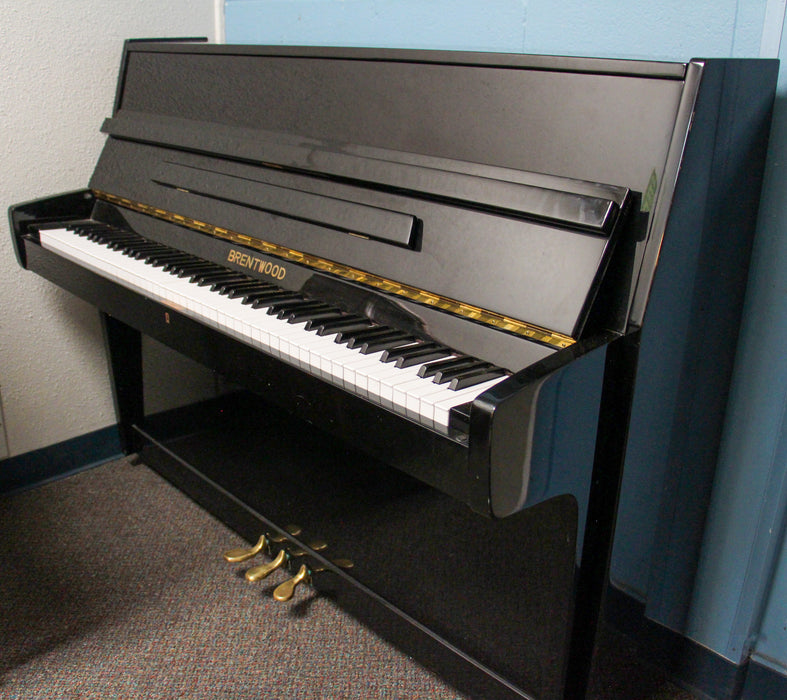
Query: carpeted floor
column 112, row 585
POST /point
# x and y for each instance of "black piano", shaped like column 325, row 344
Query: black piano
column 425, row 277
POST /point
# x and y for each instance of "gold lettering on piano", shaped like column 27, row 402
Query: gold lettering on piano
column 264, row 267
column 489, row 318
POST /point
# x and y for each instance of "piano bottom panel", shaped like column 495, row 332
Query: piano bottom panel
column 484, row 603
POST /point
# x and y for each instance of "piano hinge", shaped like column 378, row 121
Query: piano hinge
column 420, row 296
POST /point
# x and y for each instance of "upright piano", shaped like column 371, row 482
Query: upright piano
column 425, row 277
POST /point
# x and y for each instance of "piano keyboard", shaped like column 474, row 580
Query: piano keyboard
column 415, row 378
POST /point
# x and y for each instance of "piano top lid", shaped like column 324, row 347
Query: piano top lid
column 574, row 64
column 438, row 149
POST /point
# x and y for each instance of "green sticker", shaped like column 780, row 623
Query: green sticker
column 650, row 193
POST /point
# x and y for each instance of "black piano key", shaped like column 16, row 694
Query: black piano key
column 313, row 324
column 302, row 310
column 241, row 281
column 183, row 269
column 416, row 349
column 119, row 244
column 82, row 229
column 119, row 241
column 347, row 322
column 163, row 259
column 212, row 281
column 149, row 252
column 202, row 267
column 413, row 360
column 204, row 279
column 263, row 302
column 135, row 250
column 252, row 295
column 431, row 368
column 288, row 304
column 385, row 342
column 102, row 235
column 311, row 318
column 101, row 232
column 446, row 375
column 115, row 242
column 158, row 259
column 304, row 314
column 357, row 338
column 136, row 243
column 237, row 289
column 474, row 378
column 174, row 266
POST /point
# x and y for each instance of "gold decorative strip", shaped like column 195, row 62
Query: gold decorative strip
column 490, row 318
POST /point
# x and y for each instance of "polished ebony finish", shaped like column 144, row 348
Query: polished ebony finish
column 124, row 350
column 405, row 202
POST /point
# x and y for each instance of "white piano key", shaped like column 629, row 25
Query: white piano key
column 441, row 407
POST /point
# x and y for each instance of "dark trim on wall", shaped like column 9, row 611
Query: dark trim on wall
column 690, row 665
column 56, row 461
column 763, row 683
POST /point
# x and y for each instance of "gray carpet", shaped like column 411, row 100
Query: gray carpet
column 113, row 586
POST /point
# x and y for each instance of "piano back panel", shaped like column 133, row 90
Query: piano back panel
column 459, row 148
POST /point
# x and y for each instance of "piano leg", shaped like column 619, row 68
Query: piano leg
column 124, row 350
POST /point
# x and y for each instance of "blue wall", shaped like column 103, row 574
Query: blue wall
column 669, row 29
column 740, row 555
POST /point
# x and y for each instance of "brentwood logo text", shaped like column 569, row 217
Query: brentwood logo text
column 264, row 267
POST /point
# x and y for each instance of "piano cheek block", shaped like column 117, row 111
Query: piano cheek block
column 541, row 439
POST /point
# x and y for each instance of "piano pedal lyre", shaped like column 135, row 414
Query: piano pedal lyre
column 286, row 590
column 257, row 573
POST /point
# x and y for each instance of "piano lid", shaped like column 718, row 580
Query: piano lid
column 439, row 175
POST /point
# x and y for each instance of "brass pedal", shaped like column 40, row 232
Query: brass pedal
column 257, row 573
column 243, row 553
column 293, row 530
column 286, row 590
column 316, row 546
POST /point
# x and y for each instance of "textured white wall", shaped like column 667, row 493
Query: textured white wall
column 58, row 68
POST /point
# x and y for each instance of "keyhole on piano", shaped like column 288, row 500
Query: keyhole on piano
column 302, row 404
column 166, row 316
